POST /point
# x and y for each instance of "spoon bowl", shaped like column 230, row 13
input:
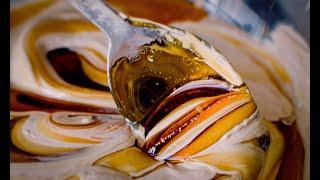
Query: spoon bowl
column 149, row 61
column 128, row 34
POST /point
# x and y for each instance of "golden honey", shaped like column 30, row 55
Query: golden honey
column 142, row 82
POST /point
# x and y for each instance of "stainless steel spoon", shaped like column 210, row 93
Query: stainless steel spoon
column 127, row 36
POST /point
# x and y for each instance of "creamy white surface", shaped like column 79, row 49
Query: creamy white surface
column 286, row 46
column 290, row 50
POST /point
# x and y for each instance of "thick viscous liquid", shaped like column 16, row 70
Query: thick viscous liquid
column 139, row 84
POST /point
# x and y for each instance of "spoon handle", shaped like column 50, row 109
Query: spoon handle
column 105, row 18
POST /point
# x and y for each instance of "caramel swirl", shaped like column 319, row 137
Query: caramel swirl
column 65, row 123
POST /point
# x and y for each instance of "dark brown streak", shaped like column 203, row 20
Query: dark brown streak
column 162, row 138
column 27, row 102
column 67, row 64
column 172, row 102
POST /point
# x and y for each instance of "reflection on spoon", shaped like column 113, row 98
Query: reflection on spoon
column 146, row 56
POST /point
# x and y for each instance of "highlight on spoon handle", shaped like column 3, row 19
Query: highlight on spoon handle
column 104, row 17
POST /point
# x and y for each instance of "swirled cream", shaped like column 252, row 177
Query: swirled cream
column 277, row 71
column 64, row 120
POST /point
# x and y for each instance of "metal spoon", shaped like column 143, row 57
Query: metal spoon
column 126, row 37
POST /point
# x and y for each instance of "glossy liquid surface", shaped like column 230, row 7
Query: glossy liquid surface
column 141, row 83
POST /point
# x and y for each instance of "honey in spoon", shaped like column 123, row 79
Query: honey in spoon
column 170, row 84
column 142, row 82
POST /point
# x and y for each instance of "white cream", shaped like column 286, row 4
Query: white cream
column 21, row 74
column 274, row 104
column 291, row 52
